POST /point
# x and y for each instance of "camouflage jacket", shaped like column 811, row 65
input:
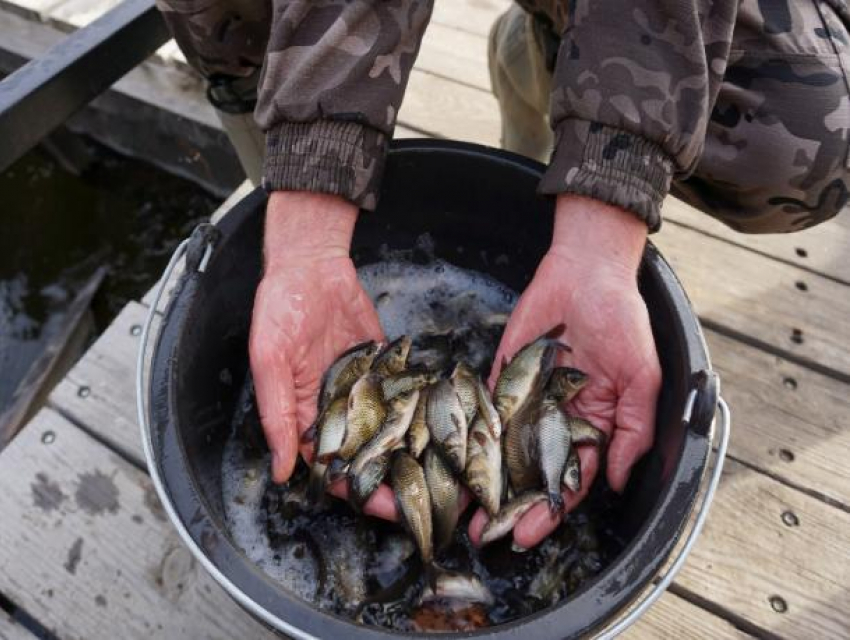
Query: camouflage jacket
column 630, row 104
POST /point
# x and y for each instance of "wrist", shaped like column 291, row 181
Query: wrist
column 304, row 226
column 597, row 237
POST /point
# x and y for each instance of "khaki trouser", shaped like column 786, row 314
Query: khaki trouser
column 749, row 175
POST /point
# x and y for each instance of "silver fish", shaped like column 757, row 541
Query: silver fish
column 519, row 451
column 572, row 472
column 372, row 461
column 406, row 381
column 465, row 382
column 365, row 415
column 345, row 371
column 414, row 502
column 565, row 383
column 393, row 359
column 331, row 431
column 583, row 432
column 445, row 496
column 418, row 435
column 447, row 423
column 487, row 411
column 458, row 587
column 553, row 447
column 483, row 474
column 509, row 515
column 522, row 380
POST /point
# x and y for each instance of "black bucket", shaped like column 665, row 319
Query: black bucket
column 465, row 196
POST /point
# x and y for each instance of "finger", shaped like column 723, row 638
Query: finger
column 380, row 504
column 476, row 525
column 635, row 429
column 276, row 403
column 539, row 521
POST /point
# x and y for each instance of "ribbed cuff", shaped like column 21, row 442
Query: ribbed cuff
column 326, row 156
column 611, row 165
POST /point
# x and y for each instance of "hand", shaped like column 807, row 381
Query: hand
column 308, row 309
column 588, row 282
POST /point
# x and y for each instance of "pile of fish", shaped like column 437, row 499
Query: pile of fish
column 429, row 434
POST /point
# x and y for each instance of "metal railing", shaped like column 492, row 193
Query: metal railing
column 48, row 90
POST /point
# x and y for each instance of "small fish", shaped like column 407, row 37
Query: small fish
column 572, row 471
column 393, row 359
column 365, row 415
column 565, row 383
column 414, row 502
column 345, row 371
column 406, row 381
column 483, row 474
column 509, row 515
column 372, row 461
column 522, row 380
column 553, row 447
column 457, row 587
column 418, row 435
column 519, row 451
column 585, row 433
column 446, row 421
column 331, row 431
column 465, row 382
column 445, row 497
column 487, row 411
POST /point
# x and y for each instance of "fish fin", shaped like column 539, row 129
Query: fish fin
column 310, row 434
column 556, row 332
column 556, row 503
column 504, row 364
column 326, row 458
column 337, row 468
column 316, row 484
column 583, row 432
column 480, row 438
column 432, row 571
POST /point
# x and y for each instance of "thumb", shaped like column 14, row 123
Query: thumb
column 277, row 406
column 634, row 427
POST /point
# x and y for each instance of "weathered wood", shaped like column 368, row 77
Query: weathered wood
column 474, row 16
column 60, row 352
column 674, row 618
column 11, row 630
column 454, row 54
column 99, row 392
column 86, row 549
column 747, row 554
column 789, row 421
column 822, row 249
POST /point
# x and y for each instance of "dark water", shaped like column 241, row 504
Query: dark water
column 57, row 228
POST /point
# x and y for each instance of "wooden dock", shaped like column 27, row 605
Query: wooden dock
column 86, row 551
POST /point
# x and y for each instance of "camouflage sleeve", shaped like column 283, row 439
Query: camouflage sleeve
column 633, row 89
column 333, row 80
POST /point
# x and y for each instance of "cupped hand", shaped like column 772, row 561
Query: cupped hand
column 587, row 281
column 309, row 308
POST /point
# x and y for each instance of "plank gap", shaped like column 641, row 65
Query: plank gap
column 720, row 611
column 812, row 493
column 25, row 620
column 773, row 350
column 420, row 130
column 771, row 256
column 118, row 451
column 458, row 81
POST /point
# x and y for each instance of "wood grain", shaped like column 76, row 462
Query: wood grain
column 674, row 618
column 85, row 547
column 473, row 16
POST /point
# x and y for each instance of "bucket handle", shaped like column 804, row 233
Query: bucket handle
column 724, row 425
column 658, row 589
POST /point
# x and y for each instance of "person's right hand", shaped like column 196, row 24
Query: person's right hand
column 308, row 309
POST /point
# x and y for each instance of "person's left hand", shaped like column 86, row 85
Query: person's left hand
column 587, row 281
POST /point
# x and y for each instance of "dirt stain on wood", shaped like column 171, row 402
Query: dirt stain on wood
column 75, row 553
column 96, row 494
column 46, row 495
column 153, row 504
column 100, row 600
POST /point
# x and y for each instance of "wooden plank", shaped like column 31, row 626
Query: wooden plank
column 822, row 249
column 474, row 16
column 747, row 557
column 674, row 618
column 789, row 421
column 11, row 630
column 86, row 549
column 449, row 109
column 99, row 392
column 457, row 55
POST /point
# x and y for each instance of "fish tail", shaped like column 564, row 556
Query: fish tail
column 432, row 572
column 556, row 503
column 316, row 484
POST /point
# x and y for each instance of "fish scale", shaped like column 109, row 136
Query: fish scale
column 553, row 446
column 345, row 371
column 366, row 413
column 414, row 502
column 447, row 423
column 445, row 496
